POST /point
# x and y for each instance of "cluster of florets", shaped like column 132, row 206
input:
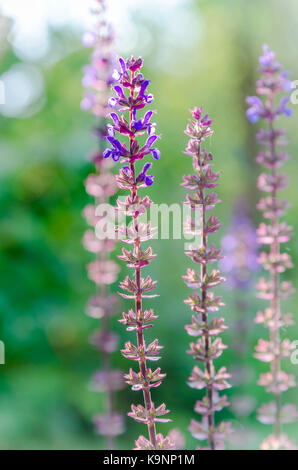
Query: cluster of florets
column 130, row 78
column 272, row 81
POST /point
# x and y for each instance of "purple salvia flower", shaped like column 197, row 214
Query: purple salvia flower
column 101, row 185
column 273, row 80
column 203, row 302
column 131, row 95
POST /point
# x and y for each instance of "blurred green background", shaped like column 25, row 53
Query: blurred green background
column 196, row 53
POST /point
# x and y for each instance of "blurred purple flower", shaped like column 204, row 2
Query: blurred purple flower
column 101, row 185
column 272, row 82
column 241, row 250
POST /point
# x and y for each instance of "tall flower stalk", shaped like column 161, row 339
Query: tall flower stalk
column 101, row 185
column 203, row 302
column 131, row 96
column 272, row 82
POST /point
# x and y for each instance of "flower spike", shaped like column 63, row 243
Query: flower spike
column 101, row 185
column 272, row 82
column 131, row 95
column 203, row 302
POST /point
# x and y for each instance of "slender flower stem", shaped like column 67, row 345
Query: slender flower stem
column 134, row 234
column 275, row 304
column 138, row 299
column 204, row 302
column 272, row 82
column 101, row 185
column 208, row 360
